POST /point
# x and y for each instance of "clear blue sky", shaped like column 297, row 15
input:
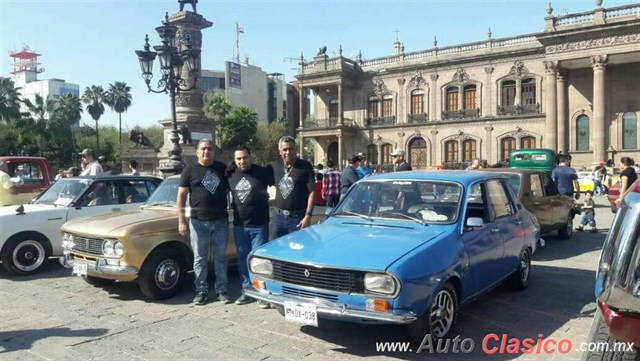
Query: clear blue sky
column 92, row 41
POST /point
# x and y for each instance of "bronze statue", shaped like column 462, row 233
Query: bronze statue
column 139, row 139
column 192, row 2
column 185, row 134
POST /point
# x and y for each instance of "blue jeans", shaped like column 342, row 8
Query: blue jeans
column 286, row 224
column 248, row 239
column 204, row 235
column 587, row 218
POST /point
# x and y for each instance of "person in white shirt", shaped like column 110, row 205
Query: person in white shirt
column 7, row 186
column 91, row 166
column 133, row 167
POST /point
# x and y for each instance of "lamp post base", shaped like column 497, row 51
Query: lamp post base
column 171, row 167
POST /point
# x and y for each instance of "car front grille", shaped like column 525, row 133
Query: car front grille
column 87, row 245
column 331, row 279
column 309, row 294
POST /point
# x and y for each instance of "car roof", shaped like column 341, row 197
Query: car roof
column 119, row 177
column 461, row 176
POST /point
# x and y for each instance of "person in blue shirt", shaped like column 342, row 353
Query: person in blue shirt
column 566, row 178
column 363, row 170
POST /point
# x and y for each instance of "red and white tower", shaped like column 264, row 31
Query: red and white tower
column 25, row 66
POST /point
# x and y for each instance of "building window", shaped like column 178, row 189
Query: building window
column 527, row 142
column 629, row 131
column 582, row 133
column 452, row 99
column 508, row 93
column 528, row 91
column 418, row 153
column 506, row 146
column 451, row 151
column 333, row 109
column 387, row 106
column 386, row 151
column 372, row 108
column 372, row 154
column 417, row 101
column 470, row 97
column 469, row 150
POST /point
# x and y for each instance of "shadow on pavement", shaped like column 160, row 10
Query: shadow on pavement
column 580, row 243
column 23, row 340
column 51, row 270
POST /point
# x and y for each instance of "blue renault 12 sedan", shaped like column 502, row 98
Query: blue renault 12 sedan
column 401, row 248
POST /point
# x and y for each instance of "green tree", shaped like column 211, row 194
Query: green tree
column 9, row 101
column 265, row 149
column 238, row 127
column 39, row 113
column 93, row 97
column 66, row 116
column 118, row 98
column 217, row 108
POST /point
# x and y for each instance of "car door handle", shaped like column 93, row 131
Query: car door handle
column 518, row 222
column 495, row 230
column 116, row 209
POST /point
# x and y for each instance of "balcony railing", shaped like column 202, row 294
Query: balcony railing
column 518, row 109
column 417, row 118
column 461, row 114
column 327, row 123
column 380, row 121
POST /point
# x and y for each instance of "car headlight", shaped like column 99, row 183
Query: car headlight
column 107, row 247
column 67, row 241
column 380, row 283
column 261, row 266
column 118, row 249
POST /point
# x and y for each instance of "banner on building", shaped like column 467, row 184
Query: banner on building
column 233, row 69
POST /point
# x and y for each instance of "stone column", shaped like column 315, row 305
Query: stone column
column 340, row 102
column 433, row 107
column 562, row 113
column 487, row 107
column 518, row 100
column 340, row 156
column 301, row 151
column 301, row 105
column 551, row 109
column 598, row 132
column 434, row 152
column 487, row 145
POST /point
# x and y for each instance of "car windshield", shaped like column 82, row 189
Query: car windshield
column 409, row 200
column 166, row 194
column 64, row 191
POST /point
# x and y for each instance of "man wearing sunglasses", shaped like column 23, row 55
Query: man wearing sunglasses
column 91, row 166
column 399, row 163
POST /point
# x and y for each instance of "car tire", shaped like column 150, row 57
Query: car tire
column 162, row 274
column 599, row 335
column 439, row 319
column 98, row 282
column 567, row 230
column 519, row 279
column 26, row 254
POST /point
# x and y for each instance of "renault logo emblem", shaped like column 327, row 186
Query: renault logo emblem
column 306, row 273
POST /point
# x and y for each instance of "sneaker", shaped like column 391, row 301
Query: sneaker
column 264, row 305
column 594, row 230
column 579, row 229
column 200, row 299
column 224, row 297
column 243, row 300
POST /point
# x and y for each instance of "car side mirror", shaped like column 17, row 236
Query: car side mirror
column 475, row 222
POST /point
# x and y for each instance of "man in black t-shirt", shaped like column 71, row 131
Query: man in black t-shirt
column 248, row 183
column 295, row 189
column 207, row 187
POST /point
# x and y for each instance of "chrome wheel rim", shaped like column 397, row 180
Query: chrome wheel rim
column 524, row 266
column 441, row 314
column 28, row 256
column 167, row 274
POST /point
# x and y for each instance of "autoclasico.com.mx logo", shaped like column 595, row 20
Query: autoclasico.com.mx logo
column 501, row 344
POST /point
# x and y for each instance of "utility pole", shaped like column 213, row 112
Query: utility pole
column 236, row 50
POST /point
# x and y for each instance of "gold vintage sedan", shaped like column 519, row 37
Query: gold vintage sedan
column 142, row 245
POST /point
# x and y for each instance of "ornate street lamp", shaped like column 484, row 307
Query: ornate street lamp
column 173, row 58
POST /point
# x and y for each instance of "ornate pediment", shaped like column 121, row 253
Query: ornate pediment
column 417, row 80
column 379, row 87
column 460, row 77
column 518, row 69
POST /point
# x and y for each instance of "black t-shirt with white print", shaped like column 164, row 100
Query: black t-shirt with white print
column 291, row 184
column 250, row 196
column 208, row 188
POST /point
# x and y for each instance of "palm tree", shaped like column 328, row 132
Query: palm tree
column 68, row 114
column 40, row 113
column 118, row 98
column 94, row 99
column 9, row 100
column 217, row 108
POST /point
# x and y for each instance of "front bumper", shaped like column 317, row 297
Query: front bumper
column 100, row 268
column 330, row 310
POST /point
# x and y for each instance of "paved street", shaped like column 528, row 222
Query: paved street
column 56, row 316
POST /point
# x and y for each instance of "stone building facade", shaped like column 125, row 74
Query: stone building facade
column 574, row 88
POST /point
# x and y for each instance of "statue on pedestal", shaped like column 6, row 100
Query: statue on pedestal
column 192, row 2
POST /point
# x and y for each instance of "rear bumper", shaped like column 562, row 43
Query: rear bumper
column 100, row 268
column 623, row 327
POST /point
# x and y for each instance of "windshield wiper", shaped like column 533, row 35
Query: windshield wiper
column 417, row 220
column 354, row 214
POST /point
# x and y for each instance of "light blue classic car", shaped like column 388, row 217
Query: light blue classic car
column 401, row 248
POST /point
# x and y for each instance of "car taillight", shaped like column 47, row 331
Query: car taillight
column 635, row 187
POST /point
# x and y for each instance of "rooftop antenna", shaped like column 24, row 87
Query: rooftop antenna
column 236, row 50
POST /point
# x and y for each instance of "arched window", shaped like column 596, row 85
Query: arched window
column 451, row 151
column 418, row 153
column 508, row 93
column 582, row 133
column 470, row 97
column 386, row 153
column 629, row 131
column 333, row 109
column 528, row 91
column 506, row 146
column 452, row 99
column 372, row 107
column 527, row 142
column 417, row 101
column 387, row 106
column 372, row 154
column 469, row 151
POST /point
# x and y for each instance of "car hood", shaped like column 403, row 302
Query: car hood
column 361, row 245
column 32, row 208
column 120, row 222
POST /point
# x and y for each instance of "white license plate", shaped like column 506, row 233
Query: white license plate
column 303, row 313
column 79, row 268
